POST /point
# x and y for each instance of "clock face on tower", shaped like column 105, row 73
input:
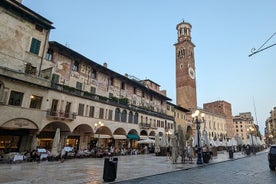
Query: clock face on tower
column 191, row 72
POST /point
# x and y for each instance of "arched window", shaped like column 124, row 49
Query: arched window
column 123, row 116
column 117, row 114
column 185, row 31
column 136, row 118
column 1, row 90
column 130, row 117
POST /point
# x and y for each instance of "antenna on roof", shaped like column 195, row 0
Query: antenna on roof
column 254, row 51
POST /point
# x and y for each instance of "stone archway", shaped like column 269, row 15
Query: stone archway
column 20, row 123
column 133, row 137
column 143, row 134
column 120, row 138
column 152, row 135
column 46, row 135
column 80, row 137
column 17, row 134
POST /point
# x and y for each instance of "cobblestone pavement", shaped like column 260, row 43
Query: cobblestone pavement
column 253, row 170
column 90, row 170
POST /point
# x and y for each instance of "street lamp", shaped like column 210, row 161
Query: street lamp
column 98, row 126
column 251, row 130
column 198, row 120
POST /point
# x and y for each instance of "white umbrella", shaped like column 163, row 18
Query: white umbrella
column 259, row 142
column 205, row 138
column 163, row 142
column 146, row 141
column 157, row 146
column 55, row 145
column 213, row 143
column 249, row 140
column 254, row 140
column 223, row 142
column 174, row 149
column 195, row 140
column 234, row 142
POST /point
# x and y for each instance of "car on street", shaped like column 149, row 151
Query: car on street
column 272, row 157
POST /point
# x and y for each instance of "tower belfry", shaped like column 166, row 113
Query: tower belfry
column 185, row 67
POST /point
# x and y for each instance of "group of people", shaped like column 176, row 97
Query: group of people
column 190, row 152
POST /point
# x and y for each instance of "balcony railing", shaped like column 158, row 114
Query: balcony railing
column 121, row 102
column 60, row 115
column 144, row 125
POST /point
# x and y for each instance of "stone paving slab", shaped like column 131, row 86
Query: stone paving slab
column 90, row 170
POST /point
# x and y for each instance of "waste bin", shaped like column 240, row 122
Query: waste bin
column 206, row 157
column 110, row 169
column 231, row 154
column 247, row 150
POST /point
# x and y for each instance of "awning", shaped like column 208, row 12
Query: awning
column 144, row 137
column 102, row 136
column 133, row 136
column 119, row 137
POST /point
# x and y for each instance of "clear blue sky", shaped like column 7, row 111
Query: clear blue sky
column 137, row 37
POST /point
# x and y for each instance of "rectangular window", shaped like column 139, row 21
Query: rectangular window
column 79, row 85
column 67, row 109
column 49, row 54
column 39, row 28
column 110, row 113
column 75, row 66
column 111, row 81
column 16, row 98
column 81, row 109
column 101, row 114
column 55, row 79
column 94, row 74
column 91, row 111
column 36, row 102
column 122, row 85
column 93, row 90
column 35, row 46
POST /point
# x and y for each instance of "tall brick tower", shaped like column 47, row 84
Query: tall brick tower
column 185, row 67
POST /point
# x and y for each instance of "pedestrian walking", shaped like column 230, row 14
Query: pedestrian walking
column 189, row 153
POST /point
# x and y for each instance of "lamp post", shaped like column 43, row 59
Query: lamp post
column 98, row 126
column 251, row 130
column 198, row 120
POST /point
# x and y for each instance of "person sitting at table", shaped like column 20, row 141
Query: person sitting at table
column 27, row 155
column 35, row 155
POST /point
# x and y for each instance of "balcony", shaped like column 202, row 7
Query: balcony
column 144, row 125
column 119, row 102
column 60, row 115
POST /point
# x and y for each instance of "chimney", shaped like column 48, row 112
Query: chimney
column 105, row 65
